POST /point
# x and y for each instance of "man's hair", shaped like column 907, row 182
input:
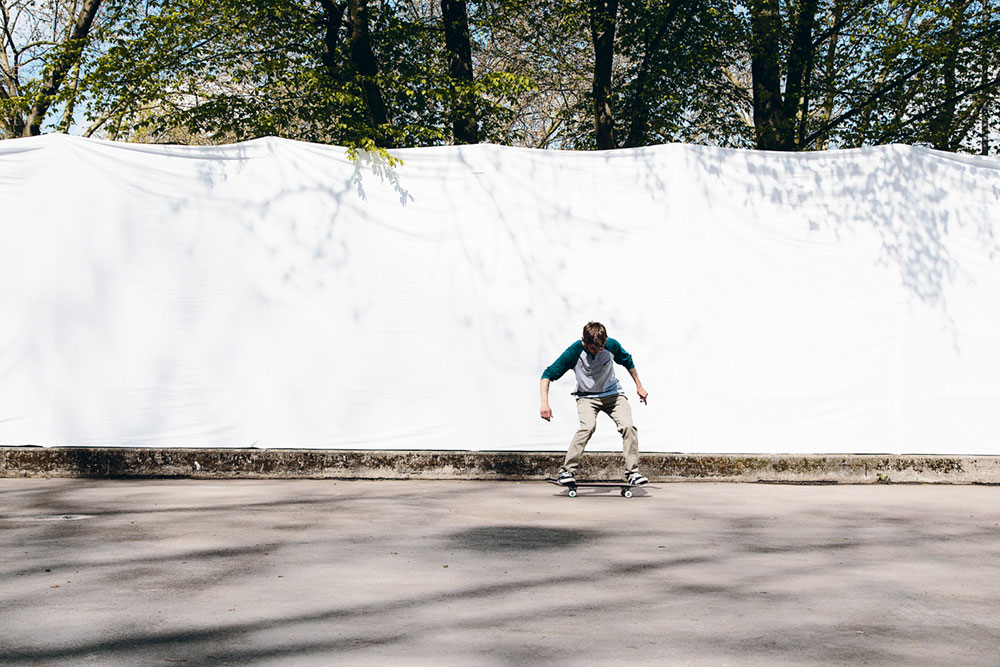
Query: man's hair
column 594, row 333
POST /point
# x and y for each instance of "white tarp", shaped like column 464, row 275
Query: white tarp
column 274, row 294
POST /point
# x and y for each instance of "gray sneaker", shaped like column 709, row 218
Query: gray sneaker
column 635, row 478
column 566, row 478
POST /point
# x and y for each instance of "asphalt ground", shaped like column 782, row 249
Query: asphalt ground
column 320, row 572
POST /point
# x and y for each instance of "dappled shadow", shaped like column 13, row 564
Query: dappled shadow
column 928, row 209
column 415, row 572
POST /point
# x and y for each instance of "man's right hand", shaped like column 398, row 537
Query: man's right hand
column 544, row 390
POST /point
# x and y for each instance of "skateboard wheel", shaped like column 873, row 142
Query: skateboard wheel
column 572, row 493
column 627, row 493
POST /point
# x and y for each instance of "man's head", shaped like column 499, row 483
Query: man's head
column 594, row 337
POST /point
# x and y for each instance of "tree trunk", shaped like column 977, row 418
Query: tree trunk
column 364, row 62
column 984, row 117
column 67, row 119
column 765, row 70
column 603, row 20
column 333, row 22
column 823, row 142
column 943, row 125
column 13, row 120
column 455, row 16
column 638, row 121
column 60, row 68
column 798, row 74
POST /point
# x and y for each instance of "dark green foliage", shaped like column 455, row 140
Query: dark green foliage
column 578, row 74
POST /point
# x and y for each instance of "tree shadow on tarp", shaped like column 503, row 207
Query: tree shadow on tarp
column 380, row 167
column 920, row 203
column 550, row 258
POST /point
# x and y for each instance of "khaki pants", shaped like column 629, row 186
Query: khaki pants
column 617, row 408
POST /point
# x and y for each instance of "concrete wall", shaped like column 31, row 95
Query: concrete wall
column 116, row 462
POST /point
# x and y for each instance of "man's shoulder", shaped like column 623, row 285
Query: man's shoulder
column 572, row 354
column 618, row 352
column 565, row 362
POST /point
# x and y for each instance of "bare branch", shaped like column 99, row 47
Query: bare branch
column 57, row 75
column 34, row 45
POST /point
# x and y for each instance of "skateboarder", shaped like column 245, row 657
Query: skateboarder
column 597, row 390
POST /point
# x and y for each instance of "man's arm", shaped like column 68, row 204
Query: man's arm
column 639, row 389
column 558, row 368
column 546, row 410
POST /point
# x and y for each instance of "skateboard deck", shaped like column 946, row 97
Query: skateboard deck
column 626, row 488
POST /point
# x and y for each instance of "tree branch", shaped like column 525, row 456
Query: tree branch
column 5, row 67
column 874, row 97
column 953, row 99
column 57, row 74
column 839, row 24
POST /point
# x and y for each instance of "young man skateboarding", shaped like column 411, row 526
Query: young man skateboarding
column 597, row 390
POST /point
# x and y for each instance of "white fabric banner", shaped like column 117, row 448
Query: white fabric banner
column 275, row 294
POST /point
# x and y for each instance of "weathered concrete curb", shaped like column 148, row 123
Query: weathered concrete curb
column 118, row 462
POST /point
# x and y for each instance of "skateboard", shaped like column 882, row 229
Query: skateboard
column 626, row 488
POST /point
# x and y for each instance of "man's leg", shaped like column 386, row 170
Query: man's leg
column 621, row 412
column 587, row 409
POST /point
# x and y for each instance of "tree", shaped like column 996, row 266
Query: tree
column 455, row 19
column 950, row 96
column 626, row 73
column 575, row 74
column 920, row 72
column 776, row 111
column 603, row 15
column 45, row 48
column 673, row 84
column 336, row 71
column 363, row 59
column 236, row 70
column 544, row 51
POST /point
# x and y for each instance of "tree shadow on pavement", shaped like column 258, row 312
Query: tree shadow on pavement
column 409, row 572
